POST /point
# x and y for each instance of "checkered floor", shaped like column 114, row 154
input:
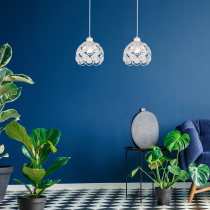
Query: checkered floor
column 111, row 199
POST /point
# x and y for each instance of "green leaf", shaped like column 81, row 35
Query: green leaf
column 1, row 148
column 5, row 155
column 183, row 176
column 27, row 187
column 48, row 183
column 26, row 152
column 28, row 165
column 9, row 98
column 5, row 54
column 154, row 155
column 174, row 162
column 15, row 131
column 60, row 161
column 175, row 141
column 3, row 73
column 200, row 174
column 35, row 174
column 159, row 163
column 52, row 135
column 5, row 115
column 168, row 157
column 133, row 172
column 18, row 78
column 174, row 170
column 8, row 89
column 51, row 145
column 1, row 129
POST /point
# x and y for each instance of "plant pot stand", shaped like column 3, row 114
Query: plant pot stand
column 193, row 191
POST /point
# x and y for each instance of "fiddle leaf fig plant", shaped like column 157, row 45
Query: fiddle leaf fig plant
column 37, row 147
column 167, row 164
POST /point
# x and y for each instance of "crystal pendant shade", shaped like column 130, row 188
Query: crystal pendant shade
column 137, row 53
column 89, row 53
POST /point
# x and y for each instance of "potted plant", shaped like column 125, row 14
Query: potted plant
column 37, row 147
column 8, row 93
column 167, row 164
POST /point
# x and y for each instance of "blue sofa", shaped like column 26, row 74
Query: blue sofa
column 198, row 150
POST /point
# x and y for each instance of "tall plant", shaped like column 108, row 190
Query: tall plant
column 166, row 164
column 9, row 91
column 37, row 147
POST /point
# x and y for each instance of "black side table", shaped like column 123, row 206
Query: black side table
column 141, row 150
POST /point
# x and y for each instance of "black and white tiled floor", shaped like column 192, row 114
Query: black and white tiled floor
column 111, row 199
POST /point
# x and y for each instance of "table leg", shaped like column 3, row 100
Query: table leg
column 126, row 173
column 140, row 176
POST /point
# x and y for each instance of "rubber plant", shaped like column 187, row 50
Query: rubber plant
column 37, row 147
column 8, row 91
column 166, row 164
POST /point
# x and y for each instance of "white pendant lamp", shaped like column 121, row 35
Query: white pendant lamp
column 137, row 53
column 89, row 53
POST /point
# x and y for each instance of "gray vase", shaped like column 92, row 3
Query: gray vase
column 144, row 129
column 5, row 172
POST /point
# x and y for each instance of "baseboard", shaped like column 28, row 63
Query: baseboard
column 147, row 185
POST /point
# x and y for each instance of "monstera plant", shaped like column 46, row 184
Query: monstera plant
column 164, row 165
column 37, row 147
column 8, row 93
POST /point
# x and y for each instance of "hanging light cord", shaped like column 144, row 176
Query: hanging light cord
column 137, row 17
column 89, row 16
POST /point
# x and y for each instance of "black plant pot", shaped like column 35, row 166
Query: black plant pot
column 31, row 204
column 5, row 172
column 163, row 196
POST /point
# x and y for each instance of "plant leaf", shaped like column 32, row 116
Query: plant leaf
column 174, row 141
column 60, row 161
column 3, row 73
column 29, row 165
column 51, row 135
column 174, row 162
column 174, row 170
column 154, row 155
column 200, row 174
column 48, row 183
column 35, row 174
column 18, row 78
column 1, row 148
column 51, row 145
column 8, row 89
column 168, row 157
column 27, row 187
column 159, row 163
column 15, row 131
column 6, row 98
column 5, row 115
column 133, row 172
column 5, row 54
column 26, row 152
column 183, row 176
column 5, row 155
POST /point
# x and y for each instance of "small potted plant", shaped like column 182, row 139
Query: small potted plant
column 8, row 93
column 37, row 147
column 166, row 164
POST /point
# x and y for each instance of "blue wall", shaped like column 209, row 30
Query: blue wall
column 93, row 106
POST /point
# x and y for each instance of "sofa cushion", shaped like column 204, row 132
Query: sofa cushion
column 204, row 158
